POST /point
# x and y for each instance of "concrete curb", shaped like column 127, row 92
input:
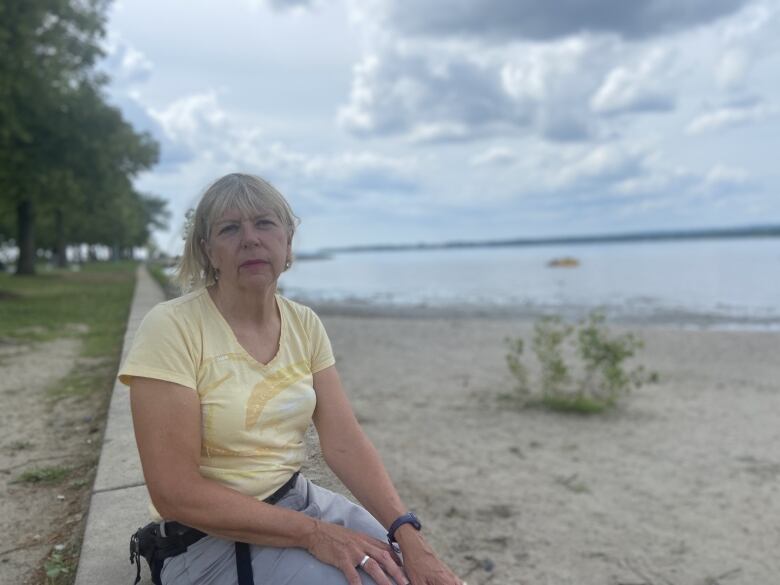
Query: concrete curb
column 119, row 500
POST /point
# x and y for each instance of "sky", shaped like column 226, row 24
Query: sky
column 413, row 121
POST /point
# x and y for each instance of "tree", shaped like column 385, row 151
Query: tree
column 62, row 147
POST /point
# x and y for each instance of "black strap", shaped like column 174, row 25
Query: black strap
column 178, row 537
column 244, row 564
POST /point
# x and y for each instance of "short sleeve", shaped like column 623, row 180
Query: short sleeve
column 163, row 349
column 321, row 351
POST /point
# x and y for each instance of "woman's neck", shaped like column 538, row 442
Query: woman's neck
column 238, row 305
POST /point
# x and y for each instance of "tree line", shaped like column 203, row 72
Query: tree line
column 67, row 157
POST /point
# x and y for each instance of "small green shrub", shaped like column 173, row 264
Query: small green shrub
column 602, row 378
column 58, row 567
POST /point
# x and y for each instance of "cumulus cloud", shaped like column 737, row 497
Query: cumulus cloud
column 126, row 65
column 430, row 99
column 196, row 121
column 433, row 93
column 503, row 20
column 437, row 89
column 636, row 87
column 605, row 165
column 734, row 114
column 198, row 128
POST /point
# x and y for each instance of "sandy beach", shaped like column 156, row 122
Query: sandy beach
column 680, row 485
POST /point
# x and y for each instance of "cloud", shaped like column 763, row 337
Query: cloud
column 198, row 129
column 344, row 174
column 735, row 114
column 196, row 125
column 605, row 165
column 503, row 20
column 282, row 5
column 725, row 179
column 495, row 156
column 731, row 69
column 126, row 65
column 444, row 93
column 636, row 87
column 440, row 90
column 430, row 98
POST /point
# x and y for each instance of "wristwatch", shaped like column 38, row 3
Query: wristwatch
column 407, row 518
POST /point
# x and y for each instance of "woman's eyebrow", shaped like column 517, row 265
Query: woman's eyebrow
column 261, row 215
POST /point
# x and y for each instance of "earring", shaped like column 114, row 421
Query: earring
column 287, row 265
column 216, row 274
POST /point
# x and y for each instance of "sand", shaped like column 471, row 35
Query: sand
column 680, row 485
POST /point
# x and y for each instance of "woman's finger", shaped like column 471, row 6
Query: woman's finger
column 375, row 571
column 387, row 561
column 351, row 574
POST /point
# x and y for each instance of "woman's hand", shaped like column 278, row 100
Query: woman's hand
column 345, row 549
column 423, row 567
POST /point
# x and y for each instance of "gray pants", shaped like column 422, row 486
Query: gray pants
column 212, row 560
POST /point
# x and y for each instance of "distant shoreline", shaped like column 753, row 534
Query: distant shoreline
column 656, row 317
column 767, row 231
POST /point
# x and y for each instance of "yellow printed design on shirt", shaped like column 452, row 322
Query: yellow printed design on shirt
column 270, row 387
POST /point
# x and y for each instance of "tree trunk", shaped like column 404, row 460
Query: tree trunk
column 60, row 248
column 25, row 223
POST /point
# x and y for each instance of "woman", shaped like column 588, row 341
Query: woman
column 224, row 383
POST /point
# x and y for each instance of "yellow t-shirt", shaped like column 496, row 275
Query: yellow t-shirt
column 253, row 416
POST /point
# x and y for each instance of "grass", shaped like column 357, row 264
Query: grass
column 59, row 567
column 43, row 475
column 92, row 303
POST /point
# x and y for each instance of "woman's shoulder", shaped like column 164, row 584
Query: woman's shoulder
column 185, row 307
column 304, row 314
column 294, row 307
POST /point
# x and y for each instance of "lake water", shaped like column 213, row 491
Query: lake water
column 711, row 283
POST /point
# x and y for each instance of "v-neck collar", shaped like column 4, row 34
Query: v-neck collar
column 282, row 330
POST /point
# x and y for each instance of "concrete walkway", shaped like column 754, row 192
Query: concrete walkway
column 119, row 499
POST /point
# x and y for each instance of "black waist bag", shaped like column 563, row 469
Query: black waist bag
column 158, row 541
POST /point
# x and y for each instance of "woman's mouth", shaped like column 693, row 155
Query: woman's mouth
column 253, row 263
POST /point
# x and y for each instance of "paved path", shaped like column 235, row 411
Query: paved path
column 119, row 497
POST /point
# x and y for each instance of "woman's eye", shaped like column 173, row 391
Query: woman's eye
column 227, row 228
column 265, row 222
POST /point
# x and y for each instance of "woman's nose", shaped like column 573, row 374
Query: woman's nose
column 250, row 236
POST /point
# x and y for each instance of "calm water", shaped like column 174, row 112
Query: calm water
column 719, row 283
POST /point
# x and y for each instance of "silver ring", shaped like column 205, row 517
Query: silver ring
column 362, row 563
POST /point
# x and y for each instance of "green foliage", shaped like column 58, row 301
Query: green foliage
column 67, row 158
column 43, row 475
column 602, row 375
column 59, row 567
column 549, row 335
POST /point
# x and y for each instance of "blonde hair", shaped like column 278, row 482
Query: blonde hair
column 248, row 194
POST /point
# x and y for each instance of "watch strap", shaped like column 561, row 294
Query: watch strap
column 407, row 518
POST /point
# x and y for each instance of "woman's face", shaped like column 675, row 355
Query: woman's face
column 249, row 251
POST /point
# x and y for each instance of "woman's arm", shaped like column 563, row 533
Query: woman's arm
column 353, row 458
column 166, row 418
